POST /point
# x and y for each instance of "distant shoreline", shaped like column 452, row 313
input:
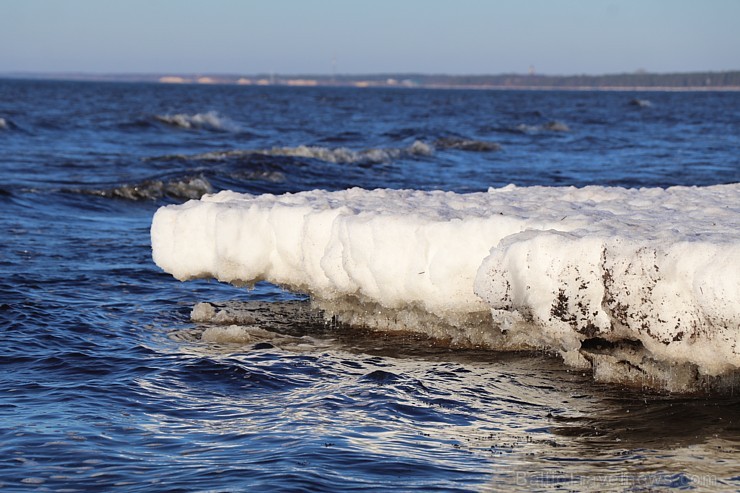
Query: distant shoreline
column 641, row 81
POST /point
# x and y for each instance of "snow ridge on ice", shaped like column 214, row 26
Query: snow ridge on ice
column 642, row 285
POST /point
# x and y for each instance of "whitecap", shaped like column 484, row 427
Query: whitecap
column 178, row 188
column 345, row 155
column 209, row 121
column 463, row 144
column 556, row 126
column 338, row 155
column 641, row 103
column 552, row 126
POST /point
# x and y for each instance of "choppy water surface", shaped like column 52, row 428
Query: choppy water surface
column 106, row 383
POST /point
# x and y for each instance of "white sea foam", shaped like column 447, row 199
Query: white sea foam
column 210, row 121
column 463, row 144
column 641, row 103
column 640, row 284
column 3, row 124
column 183, row 188
column 341, row 155
column 345, row 155
column 553, row 126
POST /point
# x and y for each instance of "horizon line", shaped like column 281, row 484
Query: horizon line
column 352, row 74
column 634, row 81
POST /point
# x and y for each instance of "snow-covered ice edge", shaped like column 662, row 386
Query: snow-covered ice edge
column 641, row 285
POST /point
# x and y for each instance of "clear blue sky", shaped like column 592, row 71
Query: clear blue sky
column 369, row 36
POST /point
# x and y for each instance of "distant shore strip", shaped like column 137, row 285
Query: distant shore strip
column 639, row 81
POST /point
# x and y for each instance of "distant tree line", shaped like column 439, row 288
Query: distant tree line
column 698, row 80
column 638, row 79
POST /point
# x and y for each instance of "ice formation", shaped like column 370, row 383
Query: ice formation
column 642, row 285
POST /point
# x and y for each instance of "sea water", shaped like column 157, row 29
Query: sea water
column 116, row 375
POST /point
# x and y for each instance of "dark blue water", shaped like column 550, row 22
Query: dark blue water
column 106, row 384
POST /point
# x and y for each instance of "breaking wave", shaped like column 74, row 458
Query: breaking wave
column 207, row 121
column 345, row 155
column 6, row 124
column 553, row 126
column 640, row 103
column 463, row 144
column 339, row 155
column 182, row 188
